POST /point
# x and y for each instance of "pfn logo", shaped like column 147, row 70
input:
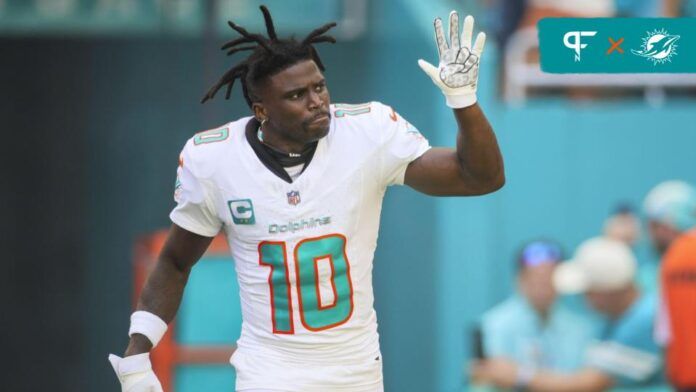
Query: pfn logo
column 573, row 40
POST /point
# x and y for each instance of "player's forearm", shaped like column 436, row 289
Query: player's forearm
column 584, row 381
column 477, row 148
column 165, row 285
column 164, row 288
column 161, row 296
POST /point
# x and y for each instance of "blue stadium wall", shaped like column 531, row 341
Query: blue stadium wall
column 440, row 262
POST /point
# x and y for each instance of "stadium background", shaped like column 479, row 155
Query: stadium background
column 94, row 119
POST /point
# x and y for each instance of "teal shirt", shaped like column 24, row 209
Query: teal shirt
column 627, row 350
column 513, row 330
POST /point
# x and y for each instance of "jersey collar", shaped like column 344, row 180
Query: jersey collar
column 267, row 157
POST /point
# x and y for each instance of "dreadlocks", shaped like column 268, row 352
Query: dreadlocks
column 269, row 56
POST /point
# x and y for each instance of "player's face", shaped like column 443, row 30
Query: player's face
column 608, row 303
column 296, row 103
column 537, row 287
column 661, row 235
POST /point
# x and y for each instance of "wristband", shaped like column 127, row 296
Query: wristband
column 460, row 101
column 149, row 325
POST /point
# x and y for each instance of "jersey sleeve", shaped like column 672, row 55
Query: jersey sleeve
column 625, row 363
column 629, row 355
column 401, row 144
column 195, row 209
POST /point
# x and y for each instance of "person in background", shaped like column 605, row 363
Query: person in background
column 623, row 225
column 671, row 211
column 625, row 356
column 679, row 8
column 638, row 8
column 502, row 18
column 538, row 9
column 532, row 327
column 667, row 210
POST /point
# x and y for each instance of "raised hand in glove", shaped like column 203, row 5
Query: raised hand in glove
column 457, row 73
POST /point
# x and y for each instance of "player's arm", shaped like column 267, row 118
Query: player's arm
column 588, row 380
column 157, row 306
column 476, row 166
column 165, row 286
column 506, row 374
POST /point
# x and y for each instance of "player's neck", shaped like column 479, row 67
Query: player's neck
column 287, row 157
column 282, row 145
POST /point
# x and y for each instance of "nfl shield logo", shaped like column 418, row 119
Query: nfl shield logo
column 293, row 198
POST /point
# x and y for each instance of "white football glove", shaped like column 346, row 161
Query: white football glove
column 135, row 373
column 457, row 73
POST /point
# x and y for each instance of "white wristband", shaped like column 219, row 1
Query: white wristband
column 460, row 101
column 148, row 324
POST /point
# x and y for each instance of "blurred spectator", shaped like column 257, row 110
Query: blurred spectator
column 538, row 9
column 503, row 17
column 671, row 210
column 667, row 209
column 677, row 8
column 623, row 225
column 638, row 8
column 677, row 321
column 531, row 327
column 625, row 355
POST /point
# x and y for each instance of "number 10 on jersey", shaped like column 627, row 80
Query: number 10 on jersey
column 315, row 315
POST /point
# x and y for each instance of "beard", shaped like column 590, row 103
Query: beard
column 315, row 130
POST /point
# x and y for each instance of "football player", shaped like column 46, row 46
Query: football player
column 297, row 188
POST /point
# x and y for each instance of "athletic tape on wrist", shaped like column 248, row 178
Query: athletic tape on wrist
column 134, row 364
column 148, row 324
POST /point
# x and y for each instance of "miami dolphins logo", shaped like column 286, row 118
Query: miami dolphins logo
column 659, row 46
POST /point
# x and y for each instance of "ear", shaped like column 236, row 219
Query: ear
column 259, row 111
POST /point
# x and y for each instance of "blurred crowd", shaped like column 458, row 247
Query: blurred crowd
column 507, row 16
column 512, row 23
column 598, row 319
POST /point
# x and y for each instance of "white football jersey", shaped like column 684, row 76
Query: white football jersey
column 303, row 250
